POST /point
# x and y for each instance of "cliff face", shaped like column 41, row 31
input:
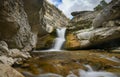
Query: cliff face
column 103, row 31
column 14, row 29
column 22, row 21
column 82, row 20
column 25, row 25
column 53, row 17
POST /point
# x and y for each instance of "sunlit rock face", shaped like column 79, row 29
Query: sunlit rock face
column 14, row 26
column 82, row 20
column 104, row 29
column 53, row 17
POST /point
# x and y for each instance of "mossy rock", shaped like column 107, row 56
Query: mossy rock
column 45, row 42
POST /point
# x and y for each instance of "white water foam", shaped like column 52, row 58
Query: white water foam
column 59, row 40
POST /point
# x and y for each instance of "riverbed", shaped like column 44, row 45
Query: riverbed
column 65, row 62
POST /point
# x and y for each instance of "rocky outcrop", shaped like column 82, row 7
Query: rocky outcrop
column 53, row 17
column 11, row 56
column 82, row 20
column 111, row 12
column 24, row 22
column 104, row 30
column 43, row 18
column 96, row 38
column 71, row 42
column 15, row 29
column 7, row 71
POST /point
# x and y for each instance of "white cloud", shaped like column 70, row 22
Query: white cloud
column 68, row 6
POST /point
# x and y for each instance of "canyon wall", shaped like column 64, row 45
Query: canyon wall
column 44, row 18
column 26, row 25
column 95, row 30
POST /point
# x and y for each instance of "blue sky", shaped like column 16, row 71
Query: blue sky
column 68, row 6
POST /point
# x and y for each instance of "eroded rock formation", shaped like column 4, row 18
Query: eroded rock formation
column 14, row 29
column 103, row 31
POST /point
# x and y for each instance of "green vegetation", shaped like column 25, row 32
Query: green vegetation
column 101, row 6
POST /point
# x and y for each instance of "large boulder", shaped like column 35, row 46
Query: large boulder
column 7, row 71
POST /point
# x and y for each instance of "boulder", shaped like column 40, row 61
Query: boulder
column 15, row 53
column 7, row 71
column 96, row 37
column 3, row 48
column 111, row 12
column 7, row 60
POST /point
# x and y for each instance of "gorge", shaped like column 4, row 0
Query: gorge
column 88, row 44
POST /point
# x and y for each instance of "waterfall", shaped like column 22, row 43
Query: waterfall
column 59, row 40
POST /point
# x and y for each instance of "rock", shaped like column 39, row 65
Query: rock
column 71, row 42
column 3, row 48
column 35, row 11
column 43, row 20
column 103, row 31
column 82, row 21
column 7, row 60
column 27, row 74
column 53, row 16
column 94, row 37
column 111, row 12
column 45, row 42
column 7, row 71
column 15, row 53
column 50, row 75
column 14, row 29
column 3, row 43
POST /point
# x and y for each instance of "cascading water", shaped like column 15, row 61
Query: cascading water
column 59, row 40
column 92, row 73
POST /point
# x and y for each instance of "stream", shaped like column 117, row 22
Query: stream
column 81, row 63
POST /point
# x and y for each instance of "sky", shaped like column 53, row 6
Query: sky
column 68, row 6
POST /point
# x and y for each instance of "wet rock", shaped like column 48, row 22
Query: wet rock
column 45, row 42
column 71, row 42
column 27, row 74
column 7, row 71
